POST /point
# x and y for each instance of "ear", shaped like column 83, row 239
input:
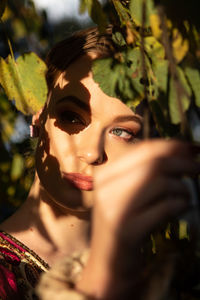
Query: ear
column 36, row 118
column 36, row 124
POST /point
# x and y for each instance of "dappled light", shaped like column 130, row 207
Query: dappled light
column 107, row 180
column 28, row 31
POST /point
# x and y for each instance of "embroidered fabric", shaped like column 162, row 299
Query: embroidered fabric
column 59, row 283
column 20, row 269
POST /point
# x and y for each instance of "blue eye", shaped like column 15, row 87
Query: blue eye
column 123, row 133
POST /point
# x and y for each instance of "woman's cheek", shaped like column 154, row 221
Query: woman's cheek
column 116, row 147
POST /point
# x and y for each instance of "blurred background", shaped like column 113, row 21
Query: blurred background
column 30, row 26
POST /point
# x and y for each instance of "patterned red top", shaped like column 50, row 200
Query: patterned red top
column 20, row 269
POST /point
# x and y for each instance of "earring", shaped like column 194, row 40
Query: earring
column 34, row 131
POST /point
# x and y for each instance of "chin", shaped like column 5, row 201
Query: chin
column 72, row 201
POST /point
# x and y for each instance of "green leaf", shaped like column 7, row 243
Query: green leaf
column 194, row 79
column 134, row 69
column 17, row 167
column 174, row 109
column 2, row 7
column 136, row 10
column 160, row 68
column 118, row 38
column 95, row 11
column 82, row 7
column 24, row 81
column 121, row 79
column 123, row 13
column 102, row 70
column 154, row 48
column 159, row 86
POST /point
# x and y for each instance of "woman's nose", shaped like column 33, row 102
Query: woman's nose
column 91, row 148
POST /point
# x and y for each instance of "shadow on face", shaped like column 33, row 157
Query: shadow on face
column 67, row 97
column 70, row 93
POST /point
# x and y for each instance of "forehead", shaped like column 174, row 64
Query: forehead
column 78, row 81
column 78, row 70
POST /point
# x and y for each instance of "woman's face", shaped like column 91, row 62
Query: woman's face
column 84, row 129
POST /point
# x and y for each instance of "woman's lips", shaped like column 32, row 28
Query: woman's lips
column 80, row 181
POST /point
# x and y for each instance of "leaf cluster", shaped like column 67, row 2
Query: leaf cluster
column 22, row 82
column 157, row 66
column 159, row 60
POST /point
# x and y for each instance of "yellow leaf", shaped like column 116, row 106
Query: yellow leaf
column 180, row 46
column 132, row 104
column 183, row 229
column 7, row 14
column 154, row 47
column 2, row 7
column 24, row 81
column 155, row 25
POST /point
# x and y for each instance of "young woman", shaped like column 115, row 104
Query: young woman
column 89, row 159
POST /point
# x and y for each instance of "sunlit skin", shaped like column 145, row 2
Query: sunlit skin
column 88, row 156
column 85, row 130
column 81, row 130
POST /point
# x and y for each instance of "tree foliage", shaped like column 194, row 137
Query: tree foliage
column 157, row 65
column 23, row 32
column 24, row 82
column 166, row 50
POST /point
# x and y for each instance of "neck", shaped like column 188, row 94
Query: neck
column 47, row 229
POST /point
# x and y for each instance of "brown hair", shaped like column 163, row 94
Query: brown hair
column 81, row 42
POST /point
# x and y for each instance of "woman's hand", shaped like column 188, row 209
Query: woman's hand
column 134, row 195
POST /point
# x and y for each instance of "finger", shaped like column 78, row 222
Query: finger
column 136, row 177
column 163, row 156
column 175, row 166
column 142, row 224
column 163, row 147
column 156, row 190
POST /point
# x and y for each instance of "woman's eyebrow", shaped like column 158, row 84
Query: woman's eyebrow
column 129, row 118
column 76, row 101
